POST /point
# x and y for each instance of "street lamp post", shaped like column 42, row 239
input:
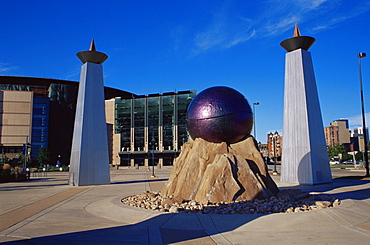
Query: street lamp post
column 273, row 138
column 275, row 172
column 25, row 152
column 3, row 157
column 366, row 156
column 153, row 145
column 254, row 121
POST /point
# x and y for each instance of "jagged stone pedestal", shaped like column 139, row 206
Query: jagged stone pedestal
column 218, row 172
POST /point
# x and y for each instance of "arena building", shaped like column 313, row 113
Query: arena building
column 40, row 112
column 148, row 127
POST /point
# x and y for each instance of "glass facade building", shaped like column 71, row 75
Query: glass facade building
column 150, row 125
column 41, row 111
column 40, row 125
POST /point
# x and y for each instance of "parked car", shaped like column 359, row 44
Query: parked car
column 334, row 162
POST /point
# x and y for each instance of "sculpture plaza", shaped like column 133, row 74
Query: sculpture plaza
column 221, row 169
column 218, row 191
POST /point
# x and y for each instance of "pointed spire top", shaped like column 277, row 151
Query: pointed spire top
column 92, row 56
column 297, row 41
column 92, row 45
column 297, row 33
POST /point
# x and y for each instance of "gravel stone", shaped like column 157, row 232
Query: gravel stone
column 173, row 209
column 287, row 201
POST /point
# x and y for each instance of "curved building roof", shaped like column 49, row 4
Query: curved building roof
column 43, row 84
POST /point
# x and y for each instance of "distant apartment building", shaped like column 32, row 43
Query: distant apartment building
column 359, row 132
column 264, row 149
column 275, row 145
column 331, row 135
column 344, row 134
column 357, row 138
column 338, row 133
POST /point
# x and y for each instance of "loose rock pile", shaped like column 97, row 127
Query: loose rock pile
column 287, row 201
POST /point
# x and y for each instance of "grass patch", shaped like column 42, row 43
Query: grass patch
column 342, row 166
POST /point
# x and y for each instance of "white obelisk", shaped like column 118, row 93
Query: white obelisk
column 89, row 164
column 304, row 157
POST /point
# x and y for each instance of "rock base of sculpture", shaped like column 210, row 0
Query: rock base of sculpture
column 218, row 172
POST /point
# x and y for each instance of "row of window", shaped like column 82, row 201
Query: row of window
column 40, row 124
column 158, row 114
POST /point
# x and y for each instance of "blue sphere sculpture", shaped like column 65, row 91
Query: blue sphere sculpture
column 219, row 114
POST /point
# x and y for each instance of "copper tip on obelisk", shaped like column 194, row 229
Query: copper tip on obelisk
column 92, row 56
column 297, row 41
column 297, row 33
column 92, row 45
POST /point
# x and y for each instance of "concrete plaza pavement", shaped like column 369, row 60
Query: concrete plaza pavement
column 46, row 210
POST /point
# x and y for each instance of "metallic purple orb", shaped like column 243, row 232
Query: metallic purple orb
column 219, row 114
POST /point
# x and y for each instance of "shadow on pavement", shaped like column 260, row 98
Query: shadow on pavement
column 33, row 185
column 353, row 177
column 341, row 188
column 174, row 228
column 65, row 183
column 138, row 181
column 146, row 232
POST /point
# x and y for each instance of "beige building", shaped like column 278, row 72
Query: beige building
column 358, row 136
column 337, row 133
column 114, row 139
column 15, row 120
column 331, row 135
column 344, row 135
column 361, row 143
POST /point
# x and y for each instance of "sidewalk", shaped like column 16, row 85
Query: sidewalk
column 48, row 211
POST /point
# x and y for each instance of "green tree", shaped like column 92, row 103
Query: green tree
column 21, row 159
column 335, row 150
column 43, row 156
column 347, row 157
column 359, row 156
column 4, row 159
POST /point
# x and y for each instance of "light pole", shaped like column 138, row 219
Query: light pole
column 275, row 172
column 25, row 153
column 153, row 143
column 366, row 156
column 254, row 121
column 273, row 138
column 3, row 157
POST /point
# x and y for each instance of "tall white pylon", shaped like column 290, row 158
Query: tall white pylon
column 304, row 158
column 89, row 164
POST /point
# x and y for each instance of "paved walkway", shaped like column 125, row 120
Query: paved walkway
column 48, row 211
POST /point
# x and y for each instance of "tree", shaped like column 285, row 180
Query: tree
column 21, row 159
column 43, row 156
column 4, row 159
column 347, row 157
column 335, row 150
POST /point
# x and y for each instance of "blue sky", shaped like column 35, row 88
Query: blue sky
column 167, row 45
